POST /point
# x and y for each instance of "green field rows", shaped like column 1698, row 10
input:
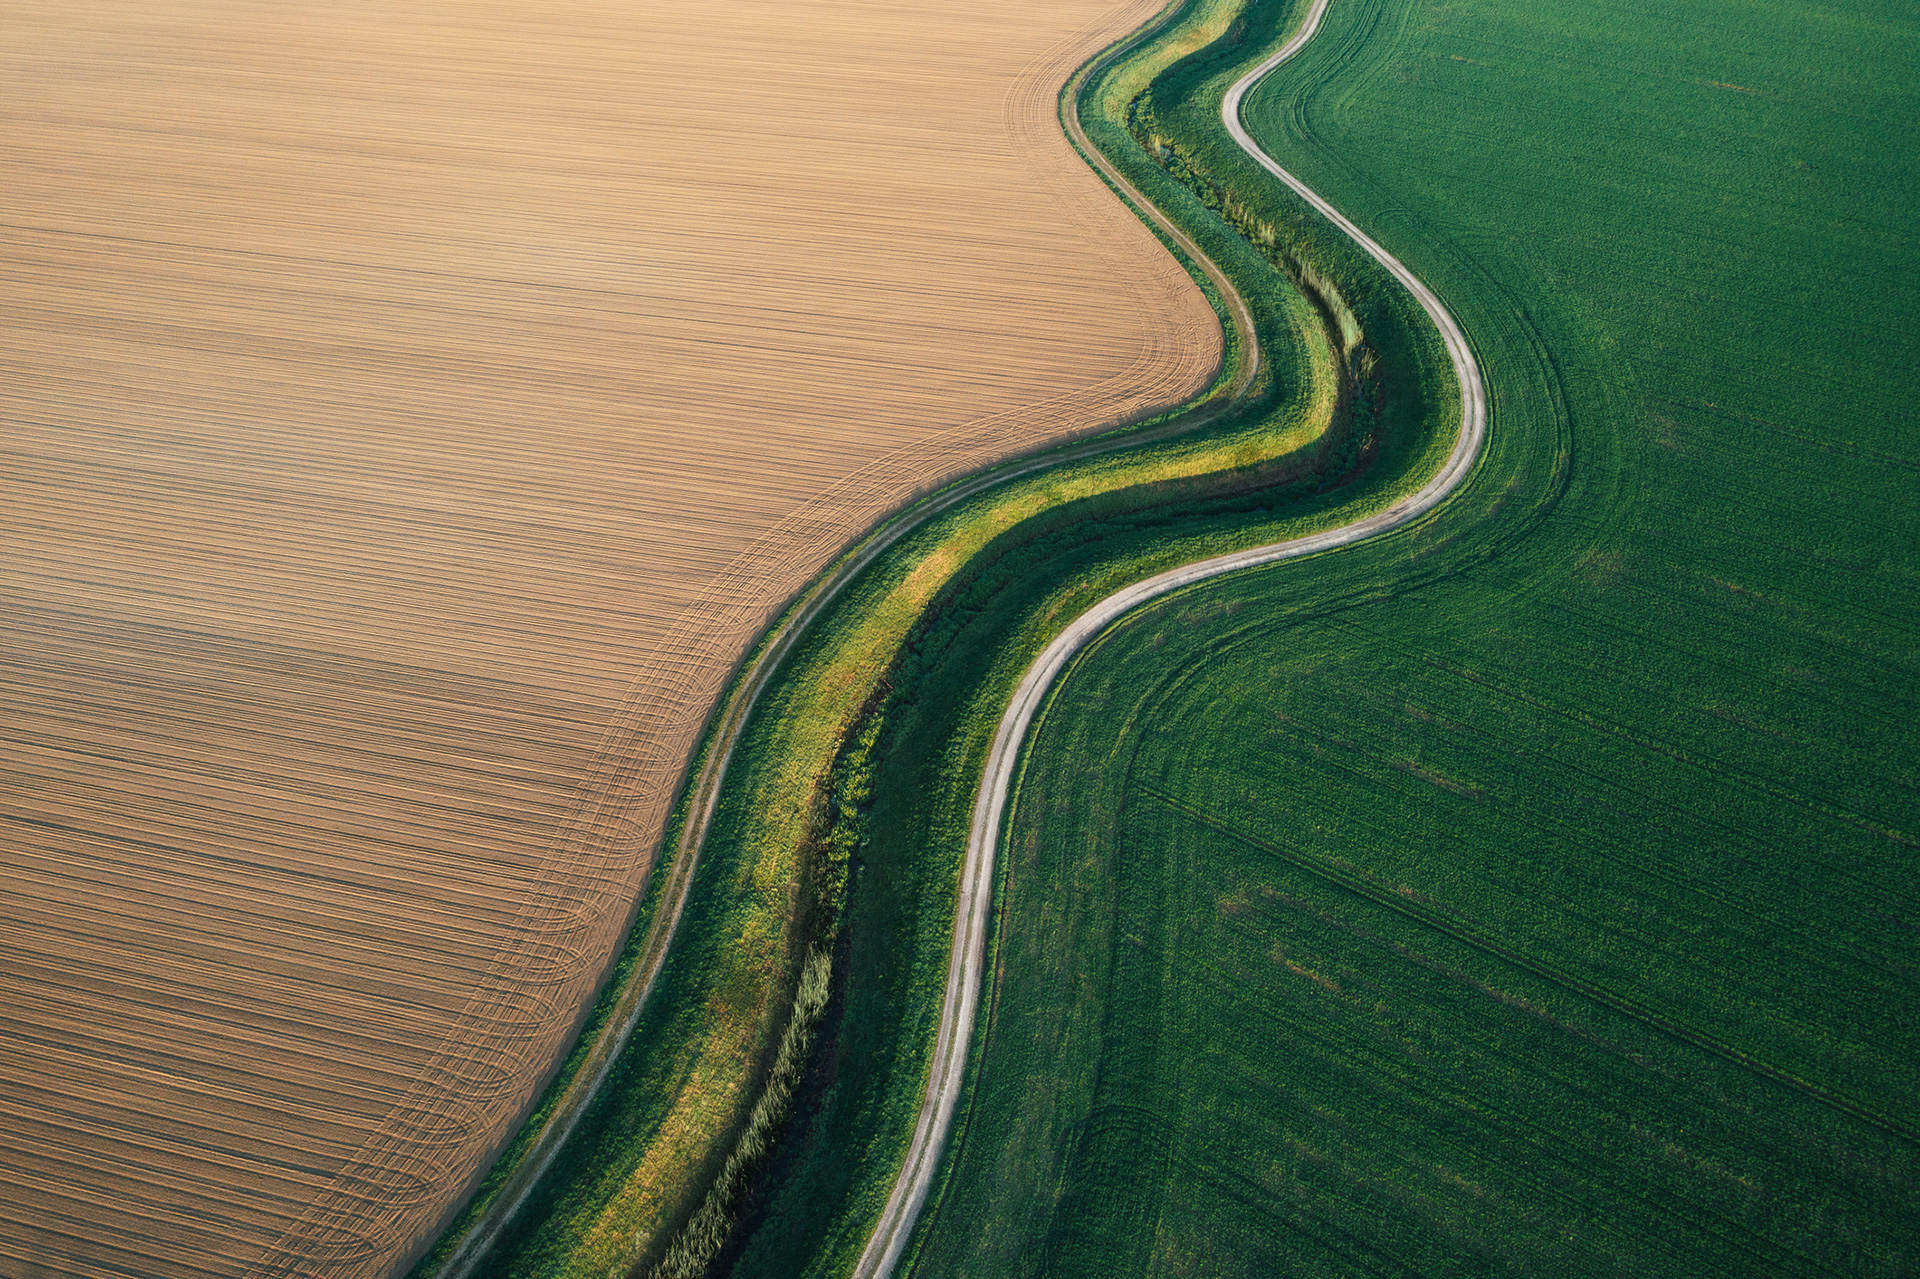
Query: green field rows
column 1535, row 891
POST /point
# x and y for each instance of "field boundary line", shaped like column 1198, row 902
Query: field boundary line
column 960, row 1002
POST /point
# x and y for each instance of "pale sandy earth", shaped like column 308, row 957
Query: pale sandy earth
column 407, row 415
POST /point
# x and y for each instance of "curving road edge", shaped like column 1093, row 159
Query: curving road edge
column 962, row 997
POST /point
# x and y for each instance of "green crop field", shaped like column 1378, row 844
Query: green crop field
column 1535, row 890
column 1529, row 890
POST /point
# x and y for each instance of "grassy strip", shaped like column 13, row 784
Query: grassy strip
column 628, row 968
column 695, row 1247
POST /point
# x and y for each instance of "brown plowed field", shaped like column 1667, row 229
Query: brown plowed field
column 410, row 412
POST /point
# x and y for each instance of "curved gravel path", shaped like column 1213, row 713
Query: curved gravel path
column 961, row 1002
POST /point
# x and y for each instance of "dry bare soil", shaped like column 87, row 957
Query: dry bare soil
column 409, row 415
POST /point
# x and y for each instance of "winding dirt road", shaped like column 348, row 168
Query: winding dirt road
column 961, row 1003
column 479, row 1236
